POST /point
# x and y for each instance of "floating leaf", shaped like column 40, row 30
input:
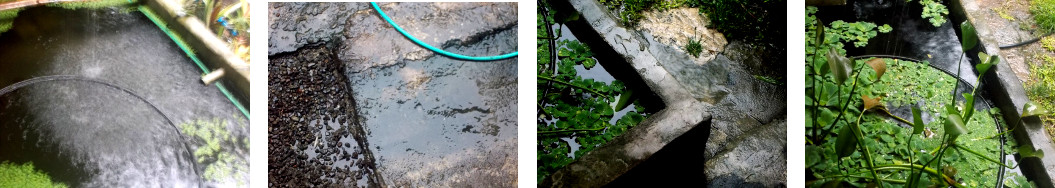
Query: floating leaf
column 813, row 155
column 846, row 144
column 970, row 37
column 917, row 126
column 879, row 65
column 839, row 65
column 1033, row 109
column 954, row 126
column 589, row 63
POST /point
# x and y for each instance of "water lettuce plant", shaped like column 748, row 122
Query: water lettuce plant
column 575, row 114
column 853, row 139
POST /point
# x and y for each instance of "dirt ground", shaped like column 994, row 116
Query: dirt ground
column 1015, row 24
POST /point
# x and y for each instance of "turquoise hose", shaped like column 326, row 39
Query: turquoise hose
column 437, row 50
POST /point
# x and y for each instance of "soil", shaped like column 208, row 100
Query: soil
column 306, row 87
column 1020, row 27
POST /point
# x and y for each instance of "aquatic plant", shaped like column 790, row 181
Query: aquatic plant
column 854, row 140
column 934, row 11
column 222, row 162
column 1040, row 87
column 753, row 20
column 24, row 175
column 574, row 110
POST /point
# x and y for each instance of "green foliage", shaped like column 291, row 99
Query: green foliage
column 970, row 36
column 575, row 110
column 93, row 4
column 629, row 11
column 25, row 175
column 753, row 20
column 1048, row 43
column 885, row 28
column 1043, row 13
column 862, row 147
column 694, row 47
column 935, row 11
column 222, row 162
column 7, row 19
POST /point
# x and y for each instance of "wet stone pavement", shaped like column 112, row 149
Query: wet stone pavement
column 418, row 119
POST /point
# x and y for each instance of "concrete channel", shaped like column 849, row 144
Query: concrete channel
column 741, row 119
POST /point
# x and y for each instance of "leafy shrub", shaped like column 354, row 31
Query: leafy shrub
column 753, row 20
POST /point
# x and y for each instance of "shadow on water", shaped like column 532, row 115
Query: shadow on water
column 679, row 163
column 916, row 38
column 441, row 121
column 87, row 135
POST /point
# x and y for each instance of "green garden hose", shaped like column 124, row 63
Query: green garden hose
column 190, row 53
column 437, row 50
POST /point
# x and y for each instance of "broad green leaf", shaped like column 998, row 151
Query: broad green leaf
column 1027, row 150
column 917, row 126
column 624, row 100
column 954, row 125
column 813, row 155
column 983, row 58
column 1033, row 109
column 606, row 110
column 589, row 63
column 819, row 35
column 839, row 65
column 826, row 117
column 970, row 37
column 846, row 144
column 982, row 68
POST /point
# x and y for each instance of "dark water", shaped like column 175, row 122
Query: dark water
column 90, row 135
column 912, row 37
column 441, row 121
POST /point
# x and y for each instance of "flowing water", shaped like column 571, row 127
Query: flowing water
column 89, row 135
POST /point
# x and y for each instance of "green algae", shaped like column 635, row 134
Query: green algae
column 24, row 175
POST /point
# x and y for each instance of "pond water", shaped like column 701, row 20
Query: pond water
column 89, row 135
column 916, row 38
column 912, row 37
column 443, row 120
column 601, row 74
